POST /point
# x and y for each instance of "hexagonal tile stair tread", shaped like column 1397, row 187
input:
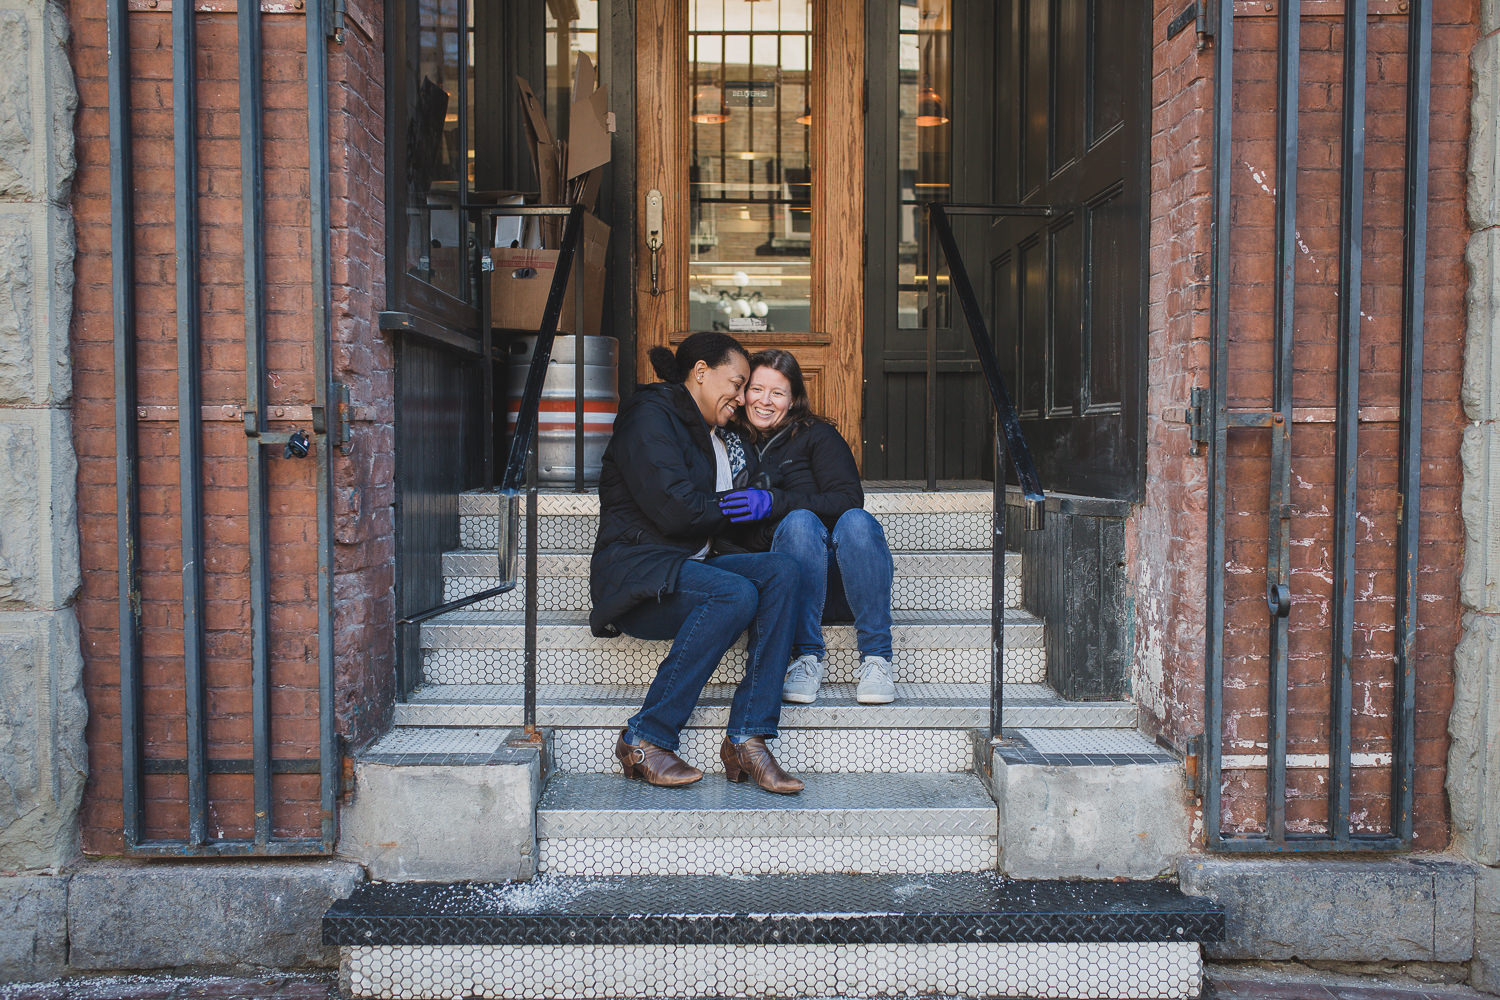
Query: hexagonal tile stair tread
column 926, row 706
column 832, row 805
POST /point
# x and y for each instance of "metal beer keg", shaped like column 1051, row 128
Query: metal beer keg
column 555, row 419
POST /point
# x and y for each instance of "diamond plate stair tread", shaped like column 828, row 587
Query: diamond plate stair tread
column 925, row 706
column 831, row 908
column 554, row 563
column 832, row 805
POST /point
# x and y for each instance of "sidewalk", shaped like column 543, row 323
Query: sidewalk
column 1224, row 984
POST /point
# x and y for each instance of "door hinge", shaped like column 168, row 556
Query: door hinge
column 335, row 26
column 1192, row 764
column 1195, row 417
column 334, row 419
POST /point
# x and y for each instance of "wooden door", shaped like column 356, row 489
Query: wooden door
column 1070, row 293
column 800, row 196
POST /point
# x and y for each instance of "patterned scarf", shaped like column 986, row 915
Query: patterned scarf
column 736, row 451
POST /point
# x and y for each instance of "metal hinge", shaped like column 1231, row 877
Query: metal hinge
column 335, row 423
column 1194, row 416
column 1192, row 764
column 335, row 26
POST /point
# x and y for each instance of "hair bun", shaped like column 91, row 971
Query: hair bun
column 665, row 364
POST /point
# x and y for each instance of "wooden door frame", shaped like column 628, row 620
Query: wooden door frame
column 838, row 197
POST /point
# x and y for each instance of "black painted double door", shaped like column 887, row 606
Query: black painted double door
column 1050, row 107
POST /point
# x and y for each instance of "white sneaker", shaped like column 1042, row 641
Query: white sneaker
column 802, row 680
column 877, row 682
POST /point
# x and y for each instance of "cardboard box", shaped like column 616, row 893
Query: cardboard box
column 522, row 278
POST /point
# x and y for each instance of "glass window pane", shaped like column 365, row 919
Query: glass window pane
column 924, row 136
column 750, row 166
column 435, row 229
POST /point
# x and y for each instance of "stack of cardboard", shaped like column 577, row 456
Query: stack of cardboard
column 569, row 173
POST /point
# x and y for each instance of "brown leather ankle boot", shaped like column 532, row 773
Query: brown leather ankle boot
column 653, row 764
column 752, row 759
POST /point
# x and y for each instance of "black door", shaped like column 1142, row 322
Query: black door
column 1070, row 292
column 931, row 133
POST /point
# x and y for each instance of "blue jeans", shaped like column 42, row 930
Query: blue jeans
column 845, row 574
column 714, row 602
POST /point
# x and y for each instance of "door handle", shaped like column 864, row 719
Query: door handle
column 653, row 237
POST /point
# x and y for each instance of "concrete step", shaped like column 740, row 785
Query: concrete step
column 965, row 934
column 930, row 727
column 603, row 824
column 955, row 517
column 957, row 581
column 477, row 647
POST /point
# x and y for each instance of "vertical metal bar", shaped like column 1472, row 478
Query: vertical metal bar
column 127, row 486
column 997, row 591
column 487, row 361
column 1278, row 543
column 1218, row 442
column 318, row 161
column 487, row 399
column 1413, row 306
column 931, row 409
column 579, row 274
column 252, row 214
column 1351, row 266
column 528, row 718
column 189, row 425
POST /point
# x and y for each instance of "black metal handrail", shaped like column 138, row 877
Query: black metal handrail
column 1007, row 422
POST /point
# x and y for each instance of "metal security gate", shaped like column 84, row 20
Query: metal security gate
column 201, row 768
column 1292, row 763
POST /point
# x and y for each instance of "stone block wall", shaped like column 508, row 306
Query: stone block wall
column 1474, row 727
column 1168, row 535
column 42, row 710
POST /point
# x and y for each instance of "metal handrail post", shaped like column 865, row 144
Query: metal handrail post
column 930, row 415
column 528, row 718
column 997, row 596
column 579, row 300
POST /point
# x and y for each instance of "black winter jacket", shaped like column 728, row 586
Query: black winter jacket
column 812, row 469
column 657, row 501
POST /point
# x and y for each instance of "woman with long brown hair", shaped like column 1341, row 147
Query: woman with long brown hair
column 817, row 516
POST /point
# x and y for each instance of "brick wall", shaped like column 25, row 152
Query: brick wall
column 1170, row 667
column 363, row 493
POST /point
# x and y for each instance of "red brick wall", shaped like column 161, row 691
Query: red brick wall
column 1170, row 527
column 363, row 495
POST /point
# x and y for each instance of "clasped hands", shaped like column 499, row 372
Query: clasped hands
column 745, row 505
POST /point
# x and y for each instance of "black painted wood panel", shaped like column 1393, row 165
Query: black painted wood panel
column 1080, row 72
column 439, row 447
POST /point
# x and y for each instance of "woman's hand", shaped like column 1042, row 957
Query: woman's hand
column 745, row 505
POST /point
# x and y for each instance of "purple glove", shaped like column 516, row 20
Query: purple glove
column 745, row 505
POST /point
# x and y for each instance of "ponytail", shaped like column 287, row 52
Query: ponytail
column 713, row 349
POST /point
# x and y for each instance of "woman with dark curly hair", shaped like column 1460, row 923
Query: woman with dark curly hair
column 666, row 491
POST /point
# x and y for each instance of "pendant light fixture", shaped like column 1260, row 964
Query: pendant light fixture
column 931, row 111
column 709, row 106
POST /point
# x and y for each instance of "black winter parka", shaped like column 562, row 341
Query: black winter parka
column 657, row 501
column 806, row 468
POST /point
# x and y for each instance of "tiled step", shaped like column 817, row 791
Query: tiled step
column 926, row 706
column 957, row 581
column 469, row 647
column 602, row 824
column 772, row 935
column 953, row 518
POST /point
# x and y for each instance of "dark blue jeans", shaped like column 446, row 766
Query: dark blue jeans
column 714, row 602
column 846, row 573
